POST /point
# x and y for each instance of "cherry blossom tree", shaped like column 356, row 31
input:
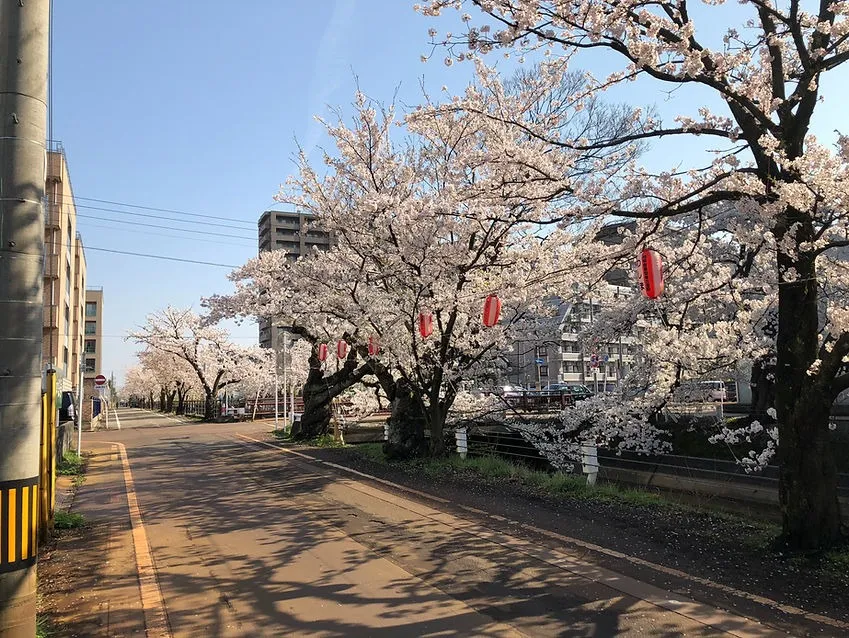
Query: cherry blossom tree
column 752, row 236
column 273, row 287
column 141, row 383
column 182, row 333
column 174, row 375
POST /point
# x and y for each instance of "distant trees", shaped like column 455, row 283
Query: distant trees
column 204, row 349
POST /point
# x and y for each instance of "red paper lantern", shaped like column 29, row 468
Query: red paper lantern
column 373, row 346
column 651, row 273
column 322, row 352
column 425, row 324
column 491, row 310
column 342, row 349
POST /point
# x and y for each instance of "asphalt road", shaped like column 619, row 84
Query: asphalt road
column 250, row 540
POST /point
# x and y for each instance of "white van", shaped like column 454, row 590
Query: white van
column 713, row 390
column 701, row 391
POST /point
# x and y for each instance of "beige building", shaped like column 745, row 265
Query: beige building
column 64, row 275
column 293, row 232
column 93, row 344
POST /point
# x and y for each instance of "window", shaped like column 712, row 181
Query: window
column 65, row 357
column 90, row 346
column 67, row 320
column 91, row 327
column 543, row 371
column 89, row 365
column 542, row 351
column 68, row 279
column 90, row 308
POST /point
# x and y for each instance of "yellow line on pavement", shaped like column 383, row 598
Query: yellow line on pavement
column 153, row 605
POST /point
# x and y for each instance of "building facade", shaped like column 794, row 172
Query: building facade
column 564, row 358
column 64, row 276
column 290, row 231
column 93, row 343
column 293, row 232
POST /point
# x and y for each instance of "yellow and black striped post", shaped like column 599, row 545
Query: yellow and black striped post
column 19, row 519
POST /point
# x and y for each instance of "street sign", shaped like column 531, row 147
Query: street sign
column 606, row 358
column 539, row 362
column 99, row 380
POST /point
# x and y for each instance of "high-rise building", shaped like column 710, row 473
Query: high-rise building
column 290, row 231
column 293, row 232
column 64, row 275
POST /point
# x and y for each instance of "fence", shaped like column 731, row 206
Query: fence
column 508, row 443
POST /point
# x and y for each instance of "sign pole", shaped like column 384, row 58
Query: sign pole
column 80, row 381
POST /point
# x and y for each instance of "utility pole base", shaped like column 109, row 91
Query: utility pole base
column 17, row 614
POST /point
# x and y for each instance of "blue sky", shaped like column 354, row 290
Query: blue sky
column 194, row 106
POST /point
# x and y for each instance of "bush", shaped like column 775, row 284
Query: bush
column 67, row 520
column 72, row 464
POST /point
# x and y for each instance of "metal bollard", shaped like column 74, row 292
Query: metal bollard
column 589, row 458
column 462, row 438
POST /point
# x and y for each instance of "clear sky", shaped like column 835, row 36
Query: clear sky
column 194, row 105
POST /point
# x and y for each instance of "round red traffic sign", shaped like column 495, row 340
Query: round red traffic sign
column 99, row 380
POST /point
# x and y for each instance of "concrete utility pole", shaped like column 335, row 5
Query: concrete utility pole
column 24, row 48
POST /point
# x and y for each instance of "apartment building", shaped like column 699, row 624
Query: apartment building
column 93, row 347
column 64, row 275
column 563, row 358
column 293, row 232
column 290, row 231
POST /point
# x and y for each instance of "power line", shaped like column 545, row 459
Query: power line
column 184, row 230
column 162, row 210
column 155, row 234
column 163, row 257
column 180, row 221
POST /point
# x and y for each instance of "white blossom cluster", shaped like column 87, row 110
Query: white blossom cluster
column 754, row 460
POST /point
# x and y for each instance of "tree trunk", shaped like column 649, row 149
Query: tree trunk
column 319, row 390
column 209, row 411
column 181, row 402
column 406, row 425
column 763, row 386
column 315, row 420
column 169, row 401
column 807, row 476
column 162, row 399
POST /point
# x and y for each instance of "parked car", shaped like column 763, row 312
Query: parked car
column 510, row 391
column 575, row 390
column 67, row 411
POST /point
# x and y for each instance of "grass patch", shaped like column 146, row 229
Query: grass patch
column 71, row 464
column 43, row 627
column 495, row 470
column 837, row 561
column 371, row 451
column 325, row 440
column 68, row 520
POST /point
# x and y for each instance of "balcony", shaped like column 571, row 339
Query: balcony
column 53, row 216
column 51, row 266
column 51, row 316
